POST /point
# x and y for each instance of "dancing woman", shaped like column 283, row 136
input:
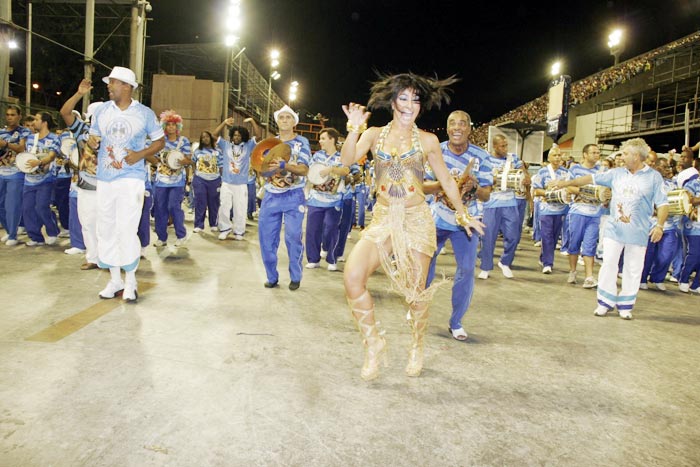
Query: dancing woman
column 401, row 237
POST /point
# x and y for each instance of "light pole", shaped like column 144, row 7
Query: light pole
column 615, row 44
column 293, row 88
column 232, row 26
column 274, row 63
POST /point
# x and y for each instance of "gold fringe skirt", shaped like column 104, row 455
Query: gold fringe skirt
column 408, row 229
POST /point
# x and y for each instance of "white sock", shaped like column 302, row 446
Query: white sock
column 116, row 274
column 130, row 277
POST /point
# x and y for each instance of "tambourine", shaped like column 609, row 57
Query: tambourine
column 174, row 159
column 314, row 176
column 69, row 148
column 280, row 152
column 22, row 159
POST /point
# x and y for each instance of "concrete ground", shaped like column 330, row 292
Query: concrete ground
column 211, row 369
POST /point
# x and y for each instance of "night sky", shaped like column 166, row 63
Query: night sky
column 502, row 55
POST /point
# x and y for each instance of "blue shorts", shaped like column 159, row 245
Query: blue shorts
column 583, row 234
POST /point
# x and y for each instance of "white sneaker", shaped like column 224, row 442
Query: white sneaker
column 5, row 238
column 180, row 241
column 197, row 230
column 237, row 237
column 580, row 261
column 111, row 289
column 643, row 286
column 659, row 286
column 21, row 230
column 697, row 290
column 324, row 254
column 73, row 251
column 672, row 279
column 214, row 229
column 10, row 242
column 589, row 283
column 224, row 234
column 625, row 314
column 506, row 270
column 143, row 251
column 51, row 240
column 341, row 259
column 572, row 277
column 537, row 243
column 332, row 267
column 683, row 287
column 33, row 243
column 159, row 243
column 64, row 233
column 547, row 270
column 312, row 265
column 483, row 275
column 601, row 311
column 564, row 253
column 130, row 293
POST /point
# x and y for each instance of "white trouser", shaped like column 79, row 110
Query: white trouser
column 631, row 274
column 235, row 196
column 87, row 213
column 119, row 205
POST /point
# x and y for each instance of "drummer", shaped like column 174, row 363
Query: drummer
column 170, row 181
column 551, row 213
column 39, row 184
column 12, row 141
column 284, row 201
column 691, row 227
column 501, row 213
column 324, row 202
column 584, row 220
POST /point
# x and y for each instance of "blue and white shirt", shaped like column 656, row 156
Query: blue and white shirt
column 120, row 130
column 165, row 176
column 544, row 176
column 285, row 181
column 691, row 227
column 328, row 194
column 632, row 206
column 580, row 208
column 207, row 163
column 45, row 145
column 8, row 169
column 503, row 199
column 235, row 160
column 456, row 165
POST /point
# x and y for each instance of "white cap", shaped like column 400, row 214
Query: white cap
column 122, row 74
column 289, row 110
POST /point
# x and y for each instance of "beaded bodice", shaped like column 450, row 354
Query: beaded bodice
column 399, row 176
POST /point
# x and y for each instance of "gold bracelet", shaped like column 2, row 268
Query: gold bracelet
column 463, row 220
column 356, row 128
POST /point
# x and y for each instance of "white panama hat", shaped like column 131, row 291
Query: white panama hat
column 122, row 74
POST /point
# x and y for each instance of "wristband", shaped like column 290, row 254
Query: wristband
column 283, row 164
column 356, row 128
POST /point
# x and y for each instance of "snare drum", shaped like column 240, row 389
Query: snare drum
column 22, row 159
column 174, row 159
column 314, row 176
column 678, row 202
column 560, row 196
column 594, row 194
column 514, row 180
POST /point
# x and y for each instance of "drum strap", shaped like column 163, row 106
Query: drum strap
column 35, row 146
column 179, row 143
column 552, row 173
column 504, row 174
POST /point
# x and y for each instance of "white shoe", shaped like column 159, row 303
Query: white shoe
column 197, row 230
column 683, row 287
column 111, row 289
column 694, row 290
column 589, row 283
column 547, row 270
column 180, row 241
column 625, row 314
column 332, row 267
column 73, row 251
column 130, row 293
column 143, row 251
column 214, row 229
column 580, row 261
column 672, row 279
column 324, row 254
column 601, row 311
column 5, row 238
column 237, row 237
column 506, row 270
column 33, row 243
column 312, row 265
column 660, row 286
column 159, row 243
column 483, row 275
column 341, row 259
column 537, row 243
column 564, row 253
column 643, row 286
column 21, row 230
column 224, row 234
column 64, row 233
column 572, row 277
column 11, row 242
column 51, row 240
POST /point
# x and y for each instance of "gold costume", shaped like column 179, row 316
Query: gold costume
column 399, row 178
